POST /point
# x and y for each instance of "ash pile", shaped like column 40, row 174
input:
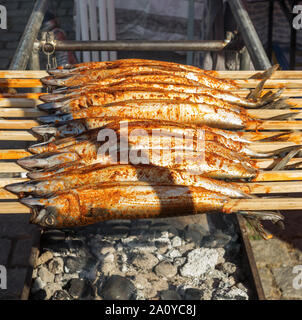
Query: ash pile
column 142, row 259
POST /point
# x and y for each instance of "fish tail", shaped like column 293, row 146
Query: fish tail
column 255, row 93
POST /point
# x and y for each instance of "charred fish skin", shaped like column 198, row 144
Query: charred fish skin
column 96, row 174
column 109, row 77
column 188, row 113
column 123, row 201
column 105, row 98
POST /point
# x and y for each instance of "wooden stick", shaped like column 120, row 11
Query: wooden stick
column 293, row 74
column 12, row 154
column 282, row 175
column 265, row 114
column 275, row 125
column 232, row 205
column 20, row 95
column 21, row 74
column 19, row 103
column 20, row 83
column 14, row 207
column 6, row 167
column 18, row 124
column 20, row 112
column 5, row 181
column 235, row 205
column 272, row 187
column 17, row 135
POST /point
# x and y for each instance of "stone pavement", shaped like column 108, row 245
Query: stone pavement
column 277, row 257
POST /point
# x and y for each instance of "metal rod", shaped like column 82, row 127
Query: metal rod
column 249, row 35
column 132, row 45
column 190, row 29
column 270, row 29
column 293, row 40
column 25, row 47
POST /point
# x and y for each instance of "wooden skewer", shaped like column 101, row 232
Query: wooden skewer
column 20, row 83
column 21, row 112
column 34, row 112
column 20, row 95
column 235, row 205
column 232, row 205
column 246, row 74
column 16, row 135
column 251, row 188
column 28, row 74
column 18, row 124
column 14, row 207
column 294, row 74
column 12, row 154
column 275, row 125
column 19, row 103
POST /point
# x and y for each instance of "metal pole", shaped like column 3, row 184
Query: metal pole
column 249, row 35
column 25, row 47
column 133, row 45
column 270, row 29
column 190, row 29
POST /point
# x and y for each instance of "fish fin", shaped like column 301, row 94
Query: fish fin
column 255, row 93
column 279, row 104
column 254, row 219
column 293, row 166
column 265, row 74
column 282, row 163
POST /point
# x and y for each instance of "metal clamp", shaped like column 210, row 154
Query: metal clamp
column 48, row 46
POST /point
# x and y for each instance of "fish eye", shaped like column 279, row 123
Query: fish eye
column 50, row 220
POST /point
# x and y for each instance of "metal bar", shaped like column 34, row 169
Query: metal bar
column 133, row 45
column 286, row 11
column 293, row 40
column 29, row 36
column 190, row 29
column 270, row 29
column 249, row 35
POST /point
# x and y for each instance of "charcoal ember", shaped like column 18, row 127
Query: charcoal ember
column 79, row 288
column 169, row 295
column 118, row 288
column 195, row 232
column 193, row 294
column 216, row 240
column 61, row 295
column 165, row 269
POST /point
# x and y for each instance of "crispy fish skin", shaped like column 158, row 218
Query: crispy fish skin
column 104, row 98
column 85, row 206
column 188, row 113
column 121, row 63
column 230, row 140
column 96, row 174
column 212, row 165
column 180, row 77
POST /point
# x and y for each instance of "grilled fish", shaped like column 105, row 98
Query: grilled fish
column 176, row 111
column 97, row 174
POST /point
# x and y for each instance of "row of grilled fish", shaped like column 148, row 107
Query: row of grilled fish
column 150, row 106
